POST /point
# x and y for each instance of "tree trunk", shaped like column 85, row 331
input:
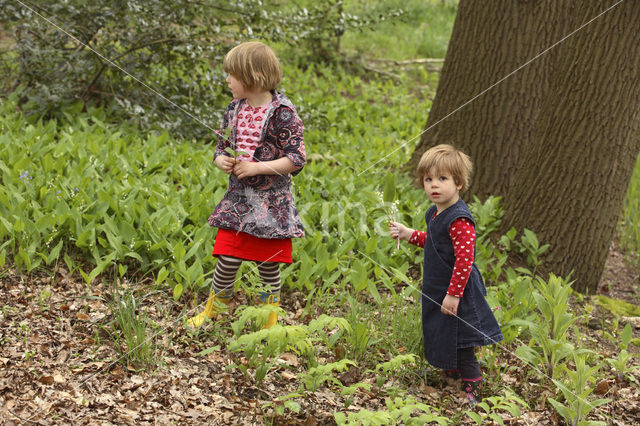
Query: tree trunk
column 579, row 160
column 487, row 44
column 557, row 139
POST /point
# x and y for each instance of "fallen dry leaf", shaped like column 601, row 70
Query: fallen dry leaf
column 428, row 389
column 185, row 388
column 602, row 387
column 288, row 375
column 290, row 359
column 47, row 380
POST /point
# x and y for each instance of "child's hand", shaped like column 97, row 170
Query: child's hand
column 225, row 163
column 450, row 305
column 245, row 169
column 399, row 231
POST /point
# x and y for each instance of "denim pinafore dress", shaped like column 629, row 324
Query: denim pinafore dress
column 475, row 324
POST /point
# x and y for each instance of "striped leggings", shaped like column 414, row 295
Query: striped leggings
column 227, row 267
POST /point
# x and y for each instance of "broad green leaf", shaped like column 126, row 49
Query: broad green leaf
column 208, row 351
column 177, row 292
column 162, row 275
column 54, row 253
column 134, row 255
column 389, row 194
column 178, row 251
column 626, row 336
column 18, row 225
column 293, row 406
column 565, row 412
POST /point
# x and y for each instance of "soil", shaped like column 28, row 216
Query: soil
column 59, row 365
column 620, row 279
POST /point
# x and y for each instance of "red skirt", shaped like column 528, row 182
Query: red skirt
column 245, row 246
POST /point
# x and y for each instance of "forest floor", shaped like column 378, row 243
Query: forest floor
column 59, row 366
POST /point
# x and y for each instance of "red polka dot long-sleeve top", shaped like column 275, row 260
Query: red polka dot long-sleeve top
column 463, row 236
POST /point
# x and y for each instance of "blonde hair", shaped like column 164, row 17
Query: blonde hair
column 255, row 65
column 446, row 159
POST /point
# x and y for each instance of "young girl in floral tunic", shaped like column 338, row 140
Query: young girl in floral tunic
column 257, row 217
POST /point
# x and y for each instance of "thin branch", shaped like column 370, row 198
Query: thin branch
column 379, row 71
column 133, row 49
column 409, row 61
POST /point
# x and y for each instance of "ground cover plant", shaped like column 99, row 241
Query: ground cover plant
column 105, row 249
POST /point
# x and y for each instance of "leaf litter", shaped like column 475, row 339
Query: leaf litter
column 58, row 366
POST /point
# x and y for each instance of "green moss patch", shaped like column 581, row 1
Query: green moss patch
column 617, row 306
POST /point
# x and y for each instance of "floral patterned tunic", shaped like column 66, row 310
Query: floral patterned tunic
column 263, row 205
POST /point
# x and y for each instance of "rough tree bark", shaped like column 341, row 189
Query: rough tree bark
column 578, row 162
column 487, row 44
column 558, row 140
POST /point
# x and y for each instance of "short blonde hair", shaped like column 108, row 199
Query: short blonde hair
column 255, row 65
column 446, row 159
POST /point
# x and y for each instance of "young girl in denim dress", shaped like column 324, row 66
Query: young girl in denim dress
column 455, row 314
column 257, row 217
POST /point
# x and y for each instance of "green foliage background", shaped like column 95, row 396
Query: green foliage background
column 121, row 182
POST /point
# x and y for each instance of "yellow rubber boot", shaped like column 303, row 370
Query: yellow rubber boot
column 271, row 299
column 217, row 302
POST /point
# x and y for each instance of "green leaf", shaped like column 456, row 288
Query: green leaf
column 7, row 225
column 100, row 268
column 565, row 412
column 332, row 264
column 69, row 262
column 162, row 275
column 293, row 406
column 207, row 351
column 340, row 418
column 475, row 417
column 127, row 231
column 85, row 276
column 626, row 336
column 134, row 255
column 530, row 238
column 389, row 194
column 54, row 253
column 528, row 355
column 178, row 251
column 373, row 291
column 18, row 225
column 177, row 291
